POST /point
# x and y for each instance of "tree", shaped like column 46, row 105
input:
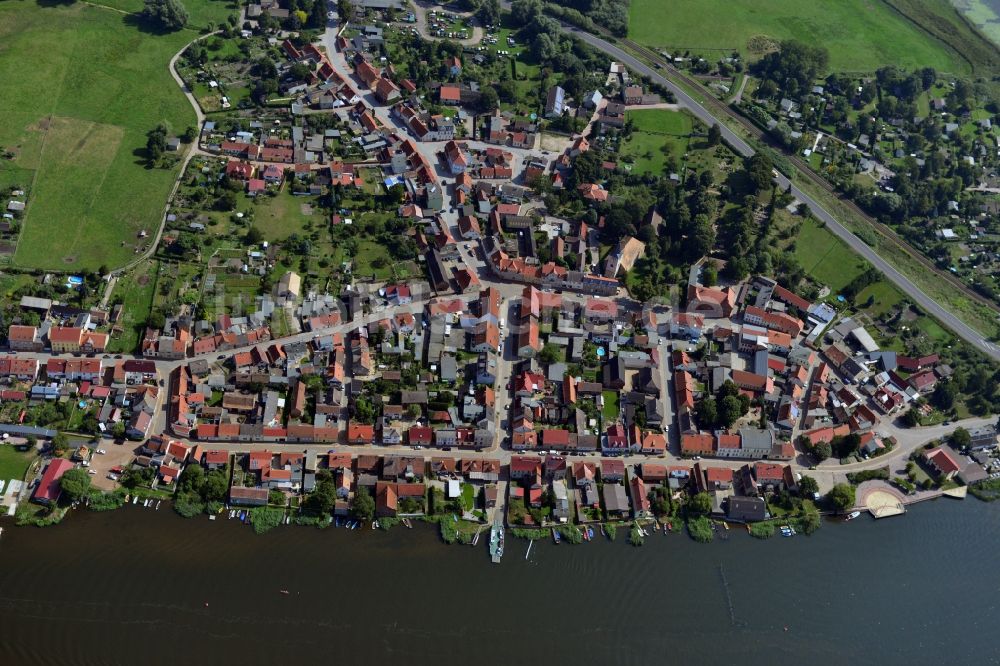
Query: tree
column 714, row 135
column 363, row 506
column 730, row 410
column 710, row 274
column 156, row 143
column 808, row 486
column 708, row 413
column 911, row 418
column 822, row 451
column 550, row 354
column 317, row 15
column 489, row 100
column 489, row 12
column 168, row 14
column 60, row 443
column 758, row 169
column 960, row 439
column 323, row 496
column 156, row 319
column 216, row 486
column 944, row 396
column 75, row 484
column 700, row 504
column 841, row 496
column 525, row 12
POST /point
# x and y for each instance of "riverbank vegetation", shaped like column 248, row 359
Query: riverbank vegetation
column 987, row 491
column 700, row 529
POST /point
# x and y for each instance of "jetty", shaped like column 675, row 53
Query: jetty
column 496, row 540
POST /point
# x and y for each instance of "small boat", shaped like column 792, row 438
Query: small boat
column 670, row 526
column 555, row 535
column 212, row 517
column 135, row 500
column 590, row 533
column 1, row 531
column 127, row 498
column 336, row 522
column 725, row 525
column 374, row 524
column 283, row 591
column 603, row 533
column 852, row 515
column 232, row 512
column 158, row 504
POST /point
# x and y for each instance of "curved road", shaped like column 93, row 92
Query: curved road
column 945, row 316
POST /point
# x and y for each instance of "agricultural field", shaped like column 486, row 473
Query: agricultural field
column 82, row 86
column 657, row 135
column 860, row 35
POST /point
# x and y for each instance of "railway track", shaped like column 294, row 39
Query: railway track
column 883, row 230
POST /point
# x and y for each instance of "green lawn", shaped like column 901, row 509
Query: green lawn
column 884, row 297
column 610, row 405
column 13, row 463
column 825, row 257
column 135, row 291
column 860, row 35
column 82, row 86
column 657, row 134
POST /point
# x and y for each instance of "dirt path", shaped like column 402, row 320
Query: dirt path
column 738, row 97
column 421, row 10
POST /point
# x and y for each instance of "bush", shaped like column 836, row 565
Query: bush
column 449, row 530
column 188, row 505
column 635, row 537
column 700, row 529
column 571, row 533
column 612, row 530
column 764, row 530
column 265, row 518
column 106, row 501
column 527, row 533
column 868, row 474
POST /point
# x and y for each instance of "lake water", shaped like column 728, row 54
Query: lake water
column 139, row 586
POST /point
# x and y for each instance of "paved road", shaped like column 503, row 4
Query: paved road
column 960, row 328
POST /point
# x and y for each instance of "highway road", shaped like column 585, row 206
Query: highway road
column 960, row 328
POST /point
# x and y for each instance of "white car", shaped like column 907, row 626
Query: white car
column 101, row 451
column 92, row 471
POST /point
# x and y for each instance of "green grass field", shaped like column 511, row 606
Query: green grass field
column 82, row 86
column 13, row 463
column 825, row 257
column 656, row 132
column 860, row 35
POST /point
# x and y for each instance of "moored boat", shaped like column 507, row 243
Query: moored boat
column 852, row 515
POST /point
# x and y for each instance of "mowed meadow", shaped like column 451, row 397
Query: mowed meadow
column 860, row 35
column 81, row 87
